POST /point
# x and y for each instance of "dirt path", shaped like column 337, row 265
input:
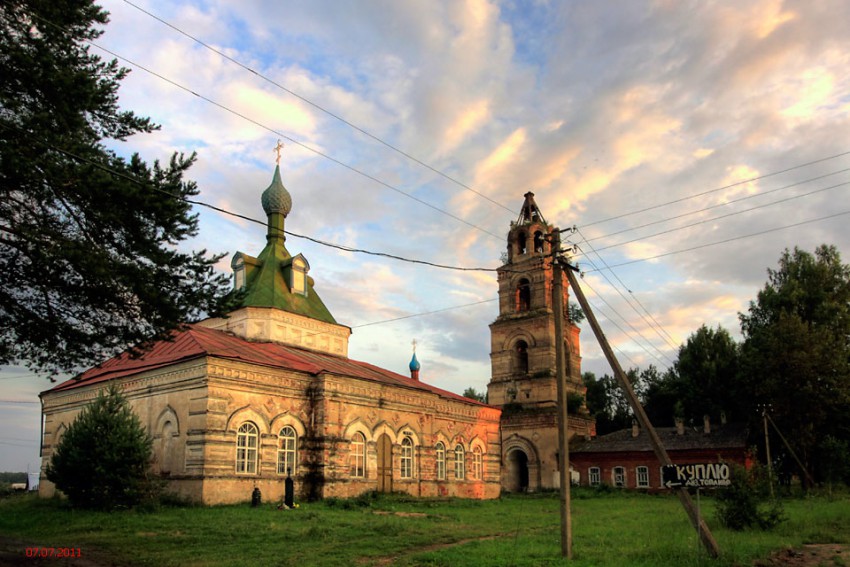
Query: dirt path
column 815, row 555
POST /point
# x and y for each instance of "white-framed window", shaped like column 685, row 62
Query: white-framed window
column 477, row 464
column 618, row 477
column 441, row 461
column 460, row 463
column 642, row 477
column 407, row 457
column 287, row 451
column 594, row 476
column 247, row 441
column 661, row 476
column 358, row 455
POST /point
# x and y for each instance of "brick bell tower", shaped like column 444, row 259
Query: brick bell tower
column 522, row 353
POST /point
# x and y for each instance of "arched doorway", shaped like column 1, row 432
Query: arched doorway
column 517, row 471
column 385, row 463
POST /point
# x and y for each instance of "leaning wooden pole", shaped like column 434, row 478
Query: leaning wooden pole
column 660, row 453
column 563, row 417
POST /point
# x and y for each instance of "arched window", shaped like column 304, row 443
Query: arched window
column 407, row 457
column 358, row 455
column 286, row 451
column 441, row 461
column 521, row 243
column 538, row 241
column 460, row 463
column 523, row 295
column 166, row 448
column 618, row 476
column 521, row 357
column 298, row 275
column 246, row 448
column 477, row 464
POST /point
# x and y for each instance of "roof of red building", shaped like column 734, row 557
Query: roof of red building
column 196, row 342
column 727, row 436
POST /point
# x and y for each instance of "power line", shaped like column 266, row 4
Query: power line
column 646, row 237
column 282, row 135
column 320, row 108
column 18, row 402
column 641, row 315
column 245, row 217
column 750, row 180
column 727, row 203
column 425, row 313
column 299, row 143
column 742, row 237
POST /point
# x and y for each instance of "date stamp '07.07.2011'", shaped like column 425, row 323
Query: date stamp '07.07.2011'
column 58, row 552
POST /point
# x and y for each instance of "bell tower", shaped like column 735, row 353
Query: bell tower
column 522, row 354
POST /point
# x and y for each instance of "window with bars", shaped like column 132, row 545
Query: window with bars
column 287, row 450
column 247, row 442
column 594, row 476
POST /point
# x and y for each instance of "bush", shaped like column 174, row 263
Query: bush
column 744, row 504
column 103, row 460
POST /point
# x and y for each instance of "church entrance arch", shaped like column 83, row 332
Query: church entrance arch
column 517, row 471
column 385, row 463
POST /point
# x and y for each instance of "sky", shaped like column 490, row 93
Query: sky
column 689, row 143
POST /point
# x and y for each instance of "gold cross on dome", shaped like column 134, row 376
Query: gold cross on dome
column 278, row 149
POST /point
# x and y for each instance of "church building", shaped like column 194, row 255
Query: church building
column 242, row 402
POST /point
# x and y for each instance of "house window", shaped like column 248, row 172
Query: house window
column 594, row 477
column 460, row 465
column 523, row 295
column 441, row 461
column 407, row 457
column 477, row 464
column 358, row 455
column 246, row 448
column 286, row 451
column 619, row 477
column 642, row 476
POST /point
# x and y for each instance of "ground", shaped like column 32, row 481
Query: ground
column 818, row 555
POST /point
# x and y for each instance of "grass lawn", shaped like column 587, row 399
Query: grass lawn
column 618, row 529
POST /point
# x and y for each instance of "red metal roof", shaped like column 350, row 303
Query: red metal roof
column 196, row 342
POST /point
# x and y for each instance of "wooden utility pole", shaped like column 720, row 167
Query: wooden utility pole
column 563, row 417
column 660, row 453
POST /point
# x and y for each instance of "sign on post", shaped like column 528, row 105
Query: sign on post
column 703, row 475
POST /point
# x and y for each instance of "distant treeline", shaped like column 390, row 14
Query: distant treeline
column 10, row 477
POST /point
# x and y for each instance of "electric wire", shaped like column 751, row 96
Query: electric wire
column 727, row 215
column 320, row 108
column 729, row 186
column 282, row 135
column 730, row 202
column 669, row 343
column 727, row 240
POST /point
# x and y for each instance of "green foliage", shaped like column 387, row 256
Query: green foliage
column 574, row 403
column 574, row 313
column 744, row 504
column 89, row 262
column 607, row 402
column 103, row 459
column 474, row 394
column 796, row 351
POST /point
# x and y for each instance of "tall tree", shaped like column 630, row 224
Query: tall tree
column 796, row 350
column 89, row 256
